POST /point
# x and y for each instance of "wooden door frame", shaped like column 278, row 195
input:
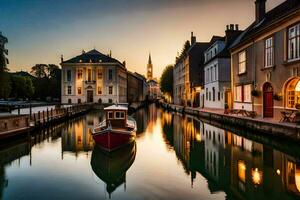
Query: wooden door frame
column 263, row 98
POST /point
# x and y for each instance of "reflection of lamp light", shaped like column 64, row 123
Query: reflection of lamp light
column 242, row 170
column 198, row 137
column 297, row 179
column 256, row 176
column 278, row 172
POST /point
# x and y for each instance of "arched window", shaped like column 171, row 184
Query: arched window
column 293, row 93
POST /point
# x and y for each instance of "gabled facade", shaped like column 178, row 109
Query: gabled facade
column 93, row 77
column 217, row 70
column 266, row 61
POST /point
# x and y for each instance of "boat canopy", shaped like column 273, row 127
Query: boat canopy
column 117, row 107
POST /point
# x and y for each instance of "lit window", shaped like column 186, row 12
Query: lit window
column 99, row 74
column 238, row 93
column 89, row 75
column 79, row 74
column 294, row 42
column 242, row 62
column 242, row 171
column 293, row 93
column 269, row 52
column 79, row 90
column 99, row 90
column 247, row 93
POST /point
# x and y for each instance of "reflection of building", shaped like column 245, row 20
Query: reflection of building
column 93, row 77
column 265, row 60
column 154, row 89
column 149, row 69
column 77, row 136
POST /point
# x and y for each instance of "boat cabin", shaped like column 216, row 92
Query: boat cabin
column 116, row 115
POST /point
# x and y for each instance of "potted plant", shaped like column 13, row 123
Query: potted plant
column 255, row 93
column 277, row 97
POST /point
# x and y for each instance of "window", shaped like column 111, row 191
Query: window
column 219, row 96
column 99, row 90
column 69, row 89
column 247, row 93
column 293, row 93
column 69, row 101
column 89, row 75
column 69, row 75
column 294, row 42
column 79, row 101
column 119, row 115
column 208, row 75
column 79, row 74
column 210, row 96
column 238, row 93
column 99, row 74
column 216, row 78
column 110, row 100
column 269, row 52
column 79, row 90
column 110, row 90
column 211, row 74
column 206, row 94
column 110, row 115
column 214, row 94
column 242, row 62
column 110, row 74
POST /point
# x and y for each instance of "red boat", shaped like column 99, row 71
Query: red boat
column 116, row 130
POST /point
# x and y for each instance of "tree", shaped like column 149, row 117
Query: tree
column 5, row 87
column 166, row 81
column 39, row 70
column 29, row 87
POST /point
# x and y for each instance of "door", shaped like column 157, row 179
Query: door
column 268, row 104
column 90, row 98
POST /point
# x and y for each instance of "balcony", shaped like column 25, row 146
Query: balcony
column 90, row 82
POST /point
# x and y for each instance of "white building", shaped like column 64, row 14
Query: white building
column 93, row 77
column 217, row 70
column 178, row 81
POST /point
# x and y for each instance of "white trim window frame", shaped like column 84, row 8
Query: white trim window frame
column 242, row 62
column 108, row 115
column 269, row 52
column 294, row 42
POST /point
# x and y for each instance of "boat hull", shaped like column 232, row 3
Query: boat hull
column 112, row 140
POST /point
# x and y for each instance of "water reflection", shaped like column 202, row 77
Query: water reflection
column 175, row 157
column 243, row 168
column 111, row 168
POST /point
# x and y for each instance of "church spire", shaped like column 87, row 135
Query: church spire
column 149, row 68
column 149, row 60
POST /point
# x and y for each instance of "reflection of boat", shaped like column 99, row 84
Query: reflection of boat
column 116, row 130
column 111, row 168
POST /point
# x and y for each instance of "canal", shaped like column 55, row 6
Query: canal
column 174, row 157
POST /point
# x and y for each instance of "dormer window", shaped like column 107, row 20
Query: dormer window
column 294, row 42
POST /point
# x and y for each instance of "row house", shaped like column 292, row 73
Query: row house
column 266, row 61
column 217, row 81
column 136, row 87
column 93, row 77
column 192, row 64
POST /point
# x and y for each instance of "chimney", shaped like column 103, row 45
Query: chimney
column 124, row 63
column 109, row 53
column 260, row 10
column 61, row 58
column 193, row 38
column 232, row 32
column 83, row 51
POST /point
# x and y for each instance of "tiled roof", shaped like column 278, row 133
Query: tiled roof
column 272, row 17
column 92, row 56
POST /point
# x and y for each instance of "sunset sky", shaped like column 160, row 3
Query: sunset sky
column 39, row 31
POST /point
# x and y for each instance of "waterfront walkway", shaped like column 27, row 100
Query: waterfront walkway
column 265, row 125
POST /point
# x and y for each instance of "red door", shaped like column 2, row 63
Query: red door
column 268, row 101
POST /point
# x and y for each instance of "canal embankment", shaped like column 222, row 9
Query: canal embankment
column 16, row 125
column 258, row 125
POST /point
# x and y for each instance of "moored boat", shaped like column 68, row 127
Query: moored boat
column 116, row 130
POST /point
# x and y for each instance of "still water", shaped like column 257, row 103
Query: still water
column 174, row 157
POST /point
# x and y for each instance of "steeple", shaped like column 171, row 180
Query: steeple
column 149, row 68
column 149, row 60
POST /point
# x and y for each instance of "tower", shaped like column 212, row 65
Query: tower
column 149, row 69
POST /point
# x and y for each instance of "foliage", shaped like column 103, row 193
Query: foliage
column 255, row 93
column 166, row 80
column 5, row 86
column 22, row 87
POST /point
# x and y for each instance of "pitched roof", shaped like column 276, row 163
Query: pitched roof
column 271, row 18
column 92, row 56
